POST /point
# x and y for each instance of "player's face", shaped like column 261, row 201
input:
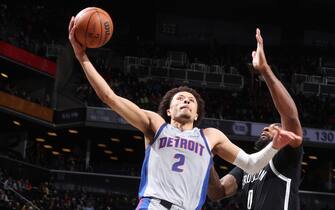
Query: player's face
column 183, row 107
column 267, row 132
column 265, row 137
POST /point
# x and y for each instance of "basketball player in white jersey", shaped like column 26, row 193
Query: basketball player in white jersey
column 276, row 186
column 178, row 155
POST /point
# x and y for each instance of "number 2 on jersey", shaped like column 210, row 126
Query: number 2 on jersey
column 181, row 160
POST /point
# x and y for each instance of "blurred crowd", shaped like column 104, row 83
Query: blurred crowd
column 250, row 104
column 17, row 193
column 31, row 31
column 20, row 194
column 15, row 89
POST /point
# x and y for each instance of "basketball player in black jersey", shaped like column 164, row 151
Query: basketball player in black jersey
column 275, row 187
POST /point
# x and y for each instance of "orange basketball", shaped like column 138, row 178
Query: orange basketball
column 94, row 27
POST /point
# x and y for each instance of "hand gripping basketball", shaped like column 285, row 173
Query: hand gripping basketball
column 94, row 27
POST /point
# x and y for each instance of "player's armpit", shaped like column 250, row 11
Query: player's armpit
column 155, row 122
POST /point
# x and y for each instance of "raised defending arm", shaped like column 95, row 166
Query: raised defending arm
column 280, row 96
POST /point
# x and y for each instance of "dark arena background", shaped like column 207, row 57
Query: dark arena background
column 61, row 148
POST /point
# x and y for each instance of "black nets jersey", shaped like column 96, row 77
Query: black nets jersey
column 276, row 186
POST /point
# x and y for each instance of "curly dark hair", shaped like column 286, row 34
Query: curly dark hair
column 166, row 100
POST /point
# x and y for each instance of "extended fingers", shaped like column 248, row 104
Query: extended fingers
column 277, row 128
column 291, row 135
column 295, row 136
column 259, row 37
column 253, row 54
column 284, row 133
column 72, row 30
column 71, row 23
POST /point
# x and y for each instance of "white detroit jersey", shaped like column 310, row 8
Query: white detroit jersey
column 176, row 167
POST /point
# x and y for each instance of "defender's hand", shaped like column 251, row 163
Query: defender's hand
column 283, row 138
column 258, row 57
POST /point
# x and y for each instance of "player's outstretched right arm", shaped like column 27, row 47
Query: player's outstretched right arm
column 147, row 122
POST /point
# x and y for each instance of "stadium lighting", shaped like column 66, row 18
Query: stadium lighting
column 40, row 139
column 304, row 163
column 129, row 149
column 312, row 157
column 108, row 152
column 52, row 134
column 4, row 75
column 55, row 153
column 46, row 146
column 66, row 150
column 115, row 139
column 224, row 167
column 17, row 123
column 102, row 145
column 73, row 131
column 113, row 158
column 138, row 137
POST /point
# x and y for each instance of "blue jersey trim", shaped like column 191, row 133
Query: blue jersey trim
column 205, row 140
column 205, row 186
column 143, row 204
column 144, row 173
column 159, row 132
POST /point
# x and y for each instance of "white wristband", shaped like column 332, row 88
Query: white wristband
column 254, row 162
